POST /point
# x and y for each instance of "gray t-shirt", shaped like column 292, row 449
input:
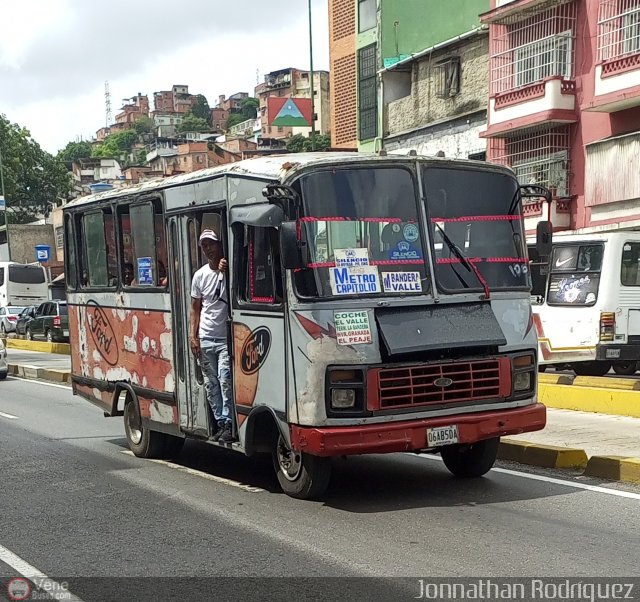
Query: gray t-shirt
column 210, row 286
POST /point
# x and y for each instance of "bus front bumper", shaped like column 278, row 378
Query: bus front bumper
column 404, row 436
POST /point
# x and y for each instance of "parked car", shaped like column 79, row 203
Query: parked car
column 51, row 322
column 8, row 318
column 26, row 315
column 4, row 367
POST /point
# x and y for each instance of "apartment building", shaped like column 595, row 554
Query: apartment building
column 564, row 106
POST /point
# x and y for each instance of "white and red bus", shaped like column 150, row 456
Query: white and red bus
column 377, row 304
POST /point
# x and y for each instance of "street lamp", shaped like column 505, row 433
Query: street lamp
column 6, row 209
column 313, row 110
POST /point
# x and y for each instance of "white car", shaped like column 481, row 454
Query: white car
column 8, row 318
column 4, row 367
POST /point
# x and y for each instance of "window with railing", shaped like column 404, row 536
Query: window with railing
column 367, row 93
column 618, row 29
column 528, row 49
column 539, row 157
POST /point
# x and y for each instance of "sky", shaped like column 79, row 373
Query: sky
column 55, row 55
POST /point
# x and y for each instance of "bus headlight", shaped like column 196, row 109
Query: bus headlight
column 522, row 381
column 343, row 398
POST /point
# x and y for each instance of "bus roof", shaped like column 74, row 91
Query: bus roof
column 272, row 167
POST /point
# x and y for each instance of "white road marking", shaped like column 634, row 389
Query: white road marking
column 536, row 477
column 9, row 416
column 204, row 475
column 41, row 382
column 38, row 578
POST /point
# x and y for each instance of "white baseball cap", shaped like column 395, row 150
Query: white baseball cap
column 210, row 234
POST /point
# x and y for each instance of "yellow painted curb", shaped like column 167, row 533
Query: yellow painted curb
column 616, row 468
column 602, row 382
column 58, row 376
column 555, row 379
column 59, row 348
column 590, row 399
column 545, row 456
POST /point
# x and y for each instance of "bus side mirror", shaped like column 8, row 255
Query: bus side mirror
column 294, row 251
column 544, row 238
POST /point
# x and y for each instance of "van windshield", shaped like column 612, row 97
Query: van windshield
column 575, row 274
column 363, row 234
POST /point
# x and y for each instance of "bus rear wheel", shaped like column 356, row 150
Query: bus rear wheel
column 143, row 442
column 300, row 475
column 625, row 368
column 595, row 368
column 471, row 460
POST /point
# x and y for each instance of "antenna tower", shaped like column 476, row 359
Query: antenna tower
column 107, row 103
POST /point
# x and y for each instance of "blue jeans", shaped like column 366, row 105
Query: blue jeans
column 214, row 360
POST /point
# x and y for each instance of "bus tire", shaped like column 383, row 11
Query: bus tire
column 143, row 442
column 471, row 460
column 300, row 475
column 595, row 368
column 625, row 368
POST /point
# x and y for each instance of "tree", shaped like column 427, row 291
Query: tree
column 144, row 125
column 33, row 178
column 235, row 119
column 116, row 145
column 191, row 123
column 201, row 109
column 250, row 107
column 74, row 151
column 300, row 143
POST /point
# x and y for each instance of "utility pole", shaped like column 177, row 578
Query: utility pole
column 6, row 208
column 313, row 105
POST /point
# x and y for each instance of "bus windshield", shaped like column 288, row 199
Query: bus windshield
column 26, row 274
column 472, row 208
column 363, row 233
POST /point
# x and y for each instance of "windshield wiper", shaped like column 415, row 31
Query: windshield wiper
column 464, row 260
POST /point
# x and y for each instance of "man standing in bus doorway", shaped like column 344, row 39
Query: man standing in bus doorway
column 209, row 310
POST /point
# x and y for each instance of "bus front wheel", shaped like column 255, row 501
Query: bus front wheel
column 300, row 475
column 142, row 441
column 471, row 460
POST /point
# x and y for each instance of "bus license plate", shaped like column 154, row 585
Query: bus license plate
column 442, row 435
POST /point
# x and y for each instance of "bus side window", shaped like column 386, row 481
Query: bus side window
column 70, row 254
column 257, row 265
column 144, row 259
column 97, row 250
column 1, row 276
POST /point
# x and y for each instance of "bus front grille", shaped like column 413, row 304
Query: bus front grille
column 435, row 384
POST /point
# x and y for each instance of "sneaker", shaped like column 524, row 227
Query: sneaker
column 227, row 433
column 219, row 430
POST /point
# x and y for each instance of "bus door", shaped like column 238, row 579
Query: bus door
column 184, row 232
column 258, row 322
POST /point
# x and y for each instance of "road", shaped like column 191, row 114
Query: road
column 77, row 507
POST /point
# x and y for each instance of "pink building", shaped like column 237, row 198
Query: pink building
column 564, row 106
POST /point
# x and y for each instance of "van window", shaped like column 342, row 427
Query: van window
column 630, row 265
column 26, row 274
column 575, row 274
column 1, row 276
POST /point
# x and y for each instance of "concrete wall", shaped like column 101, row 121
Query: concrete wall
column 423, row 106
column 24, row 238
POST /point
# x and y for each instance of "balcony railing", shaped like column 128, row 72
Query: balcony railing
column 528, row 51
column 618, row 32
column 540, row 157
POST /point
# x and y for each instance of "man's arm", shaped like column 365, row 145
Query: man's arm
column 194, row 341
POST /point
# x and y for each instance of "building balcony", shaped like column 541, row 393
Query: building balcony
column 536, row 211
column 550, row 102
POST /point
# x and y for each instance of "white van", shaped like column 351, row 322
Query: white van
column 23, row 284
column 586, row 302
